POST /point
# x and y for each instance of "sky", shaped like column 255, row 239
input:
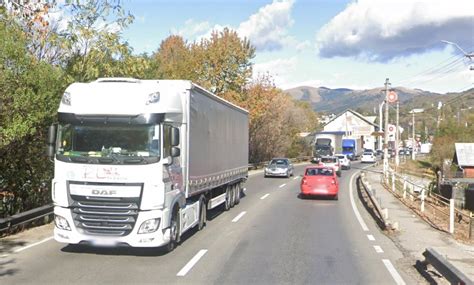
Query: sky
column 331, row 43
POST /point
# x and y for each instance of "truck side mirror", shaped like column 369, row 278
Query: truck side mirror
column 174, row 137
column 51, row 141
column 52, row 134
column 175, row 152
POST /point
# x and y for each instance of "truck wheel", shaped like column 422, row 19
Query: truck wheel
column 227, row 198
column 237, row 193
column 202, row 213
column 174, row 231
column 232, row 196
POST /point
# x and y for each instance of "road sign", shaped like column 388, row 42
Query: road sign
column 392, row 97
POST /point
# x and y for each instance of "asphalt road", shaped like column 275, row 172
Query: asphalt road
column 271, row 237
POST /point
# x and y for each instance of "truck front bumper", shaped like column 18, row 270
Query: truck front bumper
column 77, row 236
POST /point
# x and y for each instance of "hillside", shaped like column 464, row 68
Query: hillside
column 337, row 100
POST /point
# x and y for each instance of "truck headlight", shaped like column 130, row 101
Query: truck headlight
column 149, row 226
column 61, row 223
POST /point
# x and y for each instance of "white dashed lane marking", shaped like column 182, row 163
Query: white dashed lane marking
column 378, row 249
column 264, row 196
column 191, row 263
column 236, row 219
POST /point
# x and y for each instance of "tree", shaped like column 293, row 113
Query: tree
column 29, row 94
column 173, row 59
column 224, row 61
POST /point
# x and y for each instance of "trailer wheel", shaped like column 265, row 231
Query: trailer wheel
column 202, row 213
column 237, row 193
column 174, row 231
column 227, row 198
column 232, row 196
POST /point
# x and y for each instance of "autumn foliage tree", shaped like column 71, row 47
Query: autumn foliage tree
column 40, row 56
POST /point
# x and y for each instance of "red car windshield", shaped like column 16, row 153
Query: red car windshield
column 319, row 172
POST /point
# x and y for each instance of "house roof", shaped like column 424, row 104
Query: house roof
column 464, row 155
column 357, row 115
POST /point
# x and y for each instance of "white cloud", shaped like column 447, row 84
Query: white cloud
column 302, row 46
column 279, row 69
column 268, row 28
column 384, row 29
column 193, row 28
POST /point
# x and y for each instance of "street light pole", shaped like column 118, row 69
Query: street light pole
column 385, row 143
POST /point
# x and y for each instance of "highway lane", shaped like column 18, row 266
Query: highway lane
column 275, row 238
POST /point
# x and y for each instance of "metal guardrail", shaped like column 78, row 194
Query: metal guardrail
column 444, row 267
column 368, row 189
column 25, row 217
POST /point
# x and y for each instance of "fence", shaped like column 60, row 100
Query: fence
column 437, row 210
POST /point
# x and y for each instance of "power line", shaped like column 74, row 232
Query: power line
column 434, row 69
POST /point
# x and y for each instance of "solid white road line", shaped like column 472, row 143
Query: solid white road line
column 282, row 185
column 295, row 178
column 354, row 207
column 398, row 279
column 191, row 263
column 378, row 249
column 236, row 219
column 264, row 196
column 371, row 237
column 33, row 244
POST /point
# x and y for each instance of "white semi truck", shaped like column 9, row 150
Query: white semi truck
column 139, row 162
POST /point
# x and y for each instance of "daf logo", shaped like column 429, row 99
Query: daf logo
column 104, row 192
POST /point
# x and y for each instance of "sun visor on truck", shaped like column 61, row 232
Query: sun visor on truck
column 142, row 119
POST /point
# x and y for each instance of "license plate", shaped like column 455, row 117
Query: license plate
column 104, row 243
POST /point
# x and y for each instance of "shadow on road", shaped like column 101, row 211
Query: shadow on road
column 6, row 248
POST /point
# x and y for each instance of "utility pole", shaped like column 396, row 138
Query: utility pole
column 385, row 143
column 413, row 134
column 381, row 124
column 397, row 137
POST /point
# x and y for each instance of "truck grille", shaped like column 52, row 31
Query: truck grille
column 105, row 216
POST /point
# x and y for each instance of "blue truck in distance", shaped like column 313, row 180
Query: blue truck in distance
column 351, row 147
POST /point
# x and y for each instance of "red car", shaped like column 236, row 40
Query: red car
column 320, row 181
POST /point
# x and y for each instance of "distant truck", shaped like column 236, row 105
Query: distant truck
column 326, row 144
column 352, row 147
column 139, row 162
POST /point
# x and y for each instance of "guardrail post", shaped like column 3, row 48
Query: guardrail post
column 422, row 200
column 393, row 182
column 404, row 188
column 451, row 216
column 471, row 227
column 385, row 213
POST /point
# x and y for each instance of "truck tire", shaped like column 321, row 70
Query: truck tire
column 232, row 196
column 237, row 193
column 174, row 231
column 227, row 198
column 202, row 213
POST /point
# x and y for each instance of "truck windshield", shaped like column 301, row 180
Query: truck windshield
column 347, row 148
column 120, row 142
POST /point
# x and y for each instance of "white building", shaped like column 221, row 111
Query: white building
column 355, row 125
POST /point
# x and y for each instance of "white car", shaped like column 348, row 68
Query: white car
column 368, row 157
column 344, row 160
column 331, row 161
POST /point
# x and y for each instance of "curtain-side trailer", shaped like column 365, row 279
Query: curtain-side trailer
column 139, row 162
